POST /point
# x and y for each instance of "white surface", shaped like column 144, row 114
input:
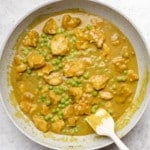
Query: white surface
column 12, row 10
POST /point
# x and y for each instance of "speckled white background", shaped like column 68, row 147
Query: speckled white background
column 138, row 11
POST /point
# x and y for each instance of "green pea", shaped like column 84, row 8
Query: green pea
column 48, row 46
column 57, row 109
column 48, row 102
column 58, row 91
column 44, row 40
column 48, row 117
column 74, row 83
column 60, row 65
column 52, row 120
column 102, row 103
column 72, row 55
column 25, row 52
column 114, row 87
column 65, row 96
column 78, row 81
column 49, row 37
column 86, row 76
column 67, row 102
column 40, row 39
column 57, row 68
column 89, row 27
column 38, row 77
column 59, row 57
column 61, row 30
column 54, row 62
column 43, row 35
column 65, row 88
column 110, row 111
column 60, row 113
column 24, row 61
column 42, row 44
column 73, row 39
column 94, row 109
column 54, row 110
column 60, row 116
column 60, row 106
column 29, row 71
column 95, row 93
column 125, row 72
column 73, row 50
column 63, row 100
column 42, row 98
column 50, row 87
column 68, row 81
column 39, row 86
column 121, row 78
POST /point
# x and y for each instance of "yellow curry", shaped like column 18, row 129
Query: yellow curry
column 68, row 65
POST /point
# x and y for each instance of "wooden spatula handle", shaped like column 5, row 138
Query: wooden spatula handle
column 118, row 142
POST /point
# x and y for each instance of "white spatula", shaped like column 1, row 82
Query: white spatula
column 103, row 124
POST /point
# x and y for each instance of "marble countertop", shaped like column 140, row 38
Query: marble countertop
column 12, row 10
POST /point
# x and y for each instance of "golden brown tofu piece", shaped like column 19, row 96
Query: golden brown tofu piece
column 115, row 39
column 119, row 64
column 50, row 27
column 76, row 92
column 74, row 68
column 72, row 121
column 97, row 22
column 28, row 107
column 59, row 45
column 87, row 98
column 47, row 69
column 108, row 104
column 25, row 106
column 105, row 51
column 82, row 42
column 125, row 52
column 123, row 93
column 18, row 59
column 22, row 88
column 132, row 76
column 31, row 39
column 33, row 108
column 68, row 111
column 97, row 37
column 88, row 88
column 106, row 95
column 57, row 126
column 55, row 78
column 40, row 123
column 44, row 109
column 82, row 34
column 54, row 97
column 27, row 96
column 82, row 109
column 35, row 60
column 69, row 22
column 99, row 81
column 21, row 68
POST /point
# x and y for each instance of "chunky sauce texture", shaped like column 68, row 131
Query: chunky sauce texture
column 68, row 65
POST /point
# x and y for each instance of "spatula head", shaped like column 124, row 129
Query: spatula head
column 101, row 122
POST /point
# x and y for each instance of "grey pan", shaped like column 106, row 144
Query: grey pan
column 55, row 141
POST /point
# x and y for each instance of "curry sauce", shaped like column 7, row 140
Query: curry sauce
column 68, row 65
